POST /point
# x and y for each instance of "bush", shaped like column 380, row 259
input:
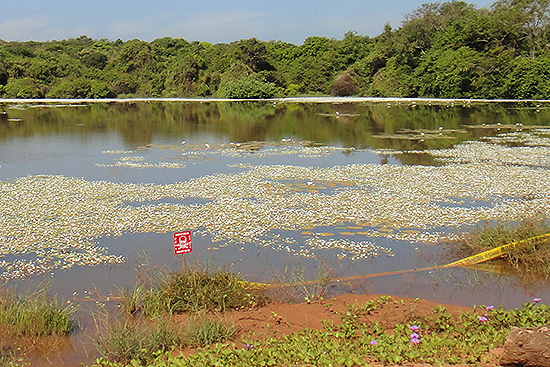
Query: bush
column 344, row 85
column 202, row 290
column 94, row 59
column 81, row 88
column 24, row 88
column 251, row 86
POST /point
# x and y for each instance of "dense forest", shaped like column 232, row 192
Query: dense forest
column 447, row 50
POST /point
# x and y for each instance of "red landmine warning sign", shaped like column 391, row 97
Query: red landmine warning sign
column 182, row 243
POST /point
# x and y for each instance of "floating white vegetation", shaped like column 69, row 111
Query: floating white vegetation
column 301, row 151
column 134, row 162
column 535, row 139
column 258, row 149
column 118, row 151
column 54, row 222
column 424, row 237
column 500, row 150
column 357, row 250
column 132, row 159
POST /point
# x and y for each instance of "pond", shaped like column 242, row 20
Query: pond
column 92, row 192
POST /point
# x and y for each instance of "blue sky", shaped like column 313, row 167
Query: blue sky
column 203, row 20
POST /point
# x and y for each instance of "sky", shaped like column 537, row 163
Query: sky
column 201, row 20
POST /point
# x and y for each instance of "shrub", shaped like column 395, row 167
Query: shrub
column 202, row 290
column 344, row 85
column 251, row 86
column 81, row 88
column 24, row 88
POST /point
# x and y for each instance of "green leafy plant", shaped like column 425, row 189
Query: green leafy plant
column 440, row 339
column 251, row 86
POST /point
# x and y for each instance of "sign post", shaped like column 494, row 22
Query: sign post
column 183, row 245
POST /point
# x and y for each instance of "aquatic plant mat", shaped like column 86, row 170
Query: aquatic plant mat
column 54, row 222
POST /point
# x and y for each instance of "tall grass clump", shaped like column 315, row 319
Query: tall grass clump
column 202, row 290
column 124, row 340
column 145, row 327
column 295, row 288
column 34, row 314
column 531, row 256
column 140, row 340
column 206, row 331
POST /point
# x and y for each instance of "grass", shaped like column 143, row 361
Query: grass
column 204, row 290
column 11, row 356
column 141, row 340
column 32, row 323
column 293, row 287
column 34, row 314
column 530, row 259
column 203, row 331
column 197, row 290
column 146, row 325
column 126, row 339
column 437, row 339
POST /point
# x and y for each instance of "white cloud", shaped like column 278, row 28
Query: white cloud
column 217, row 26
column 134, row 29
column 38, row 28
column 23, row 29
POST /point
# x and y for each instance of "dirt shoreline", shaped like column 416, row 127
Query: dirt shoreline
column 279, row 319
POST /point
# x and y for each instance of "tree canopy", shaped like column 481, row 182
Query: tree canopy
column 443, row 49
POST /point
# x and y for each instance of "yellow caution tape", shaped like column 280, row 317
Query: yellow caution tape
column 254, row 285
column 466, row 262
column 493, row 253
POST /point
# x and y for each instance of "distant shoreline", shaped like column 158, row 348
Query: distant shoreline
column 281, row 100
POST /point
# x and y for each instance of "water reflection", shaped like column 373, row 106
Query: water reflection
column 348, row 125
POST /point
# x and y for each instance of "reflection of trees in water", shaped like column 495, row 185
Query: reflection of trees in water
column 348, row 124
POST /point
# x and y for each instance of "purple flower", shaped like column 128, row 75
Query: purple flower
column 414, row 328
column 415, row 336
column 537, row 300
column 373, row 342
column 415, row 340
column 482, row 318
column 489, row 308
column 249, row 346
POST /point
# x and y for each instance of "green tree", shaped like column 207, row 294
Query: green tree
column 24, row 88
